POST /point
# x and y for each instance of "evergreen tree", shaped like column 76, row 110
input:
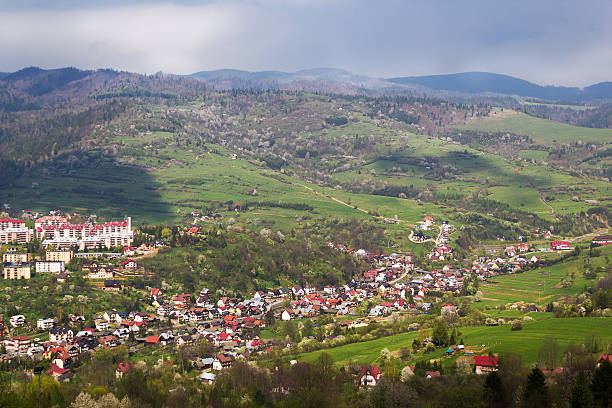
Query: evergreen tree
column 493, row 390
column 440, row 334
column 536, row 391
column 453, row 337
column 582, row 396
column 601, row 384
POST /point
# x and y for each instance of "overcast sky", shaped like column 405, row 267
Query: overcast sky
column 551, row 42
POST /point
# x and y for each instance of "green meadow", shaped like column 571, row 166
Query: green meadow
column 496, row 339
column 544, row 285
column 542, row 131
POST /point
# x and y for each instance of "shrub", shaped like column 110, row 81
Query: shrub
column 516, row 325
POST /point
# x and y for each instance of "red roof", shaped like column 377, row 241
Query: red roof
column 603, row 357
column 152, row 339
column 373, row 370
column 486, row 361
column 56, row 370
column 11, row 220
column 124, row 367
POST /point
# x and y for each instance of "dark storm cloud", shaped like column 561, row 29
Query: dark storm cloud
column 549, row 42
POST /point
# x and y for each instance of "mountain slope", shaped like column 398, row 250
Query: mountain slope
column 480, row 82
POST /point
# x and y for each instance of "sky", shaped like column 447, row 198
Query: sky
column 550, row 42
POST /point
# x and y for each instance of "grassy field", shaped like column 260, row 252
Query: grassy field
column 496, row 339
column 542, row 131
column 543, row 285
column 537, row 155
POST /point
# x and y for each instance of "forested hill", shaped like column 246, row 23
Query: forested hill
column 481, row 82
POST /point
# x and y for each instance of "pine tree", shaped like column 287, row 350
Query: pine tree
column 601, row 384
column 582, row 396
column 536, row 391
column 493, row 390
column 453, row 337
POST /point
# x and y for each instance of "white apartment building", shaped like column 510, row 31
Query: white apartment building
column 57, row 231
column 14, row 231
column 50, row 266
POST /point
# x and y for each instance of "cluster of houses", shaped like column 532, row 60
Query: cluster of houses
column 228, row 324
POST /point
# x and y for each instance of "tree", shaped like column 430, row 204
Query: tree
column 308, row 330
column 581, row 396
column 536, row 391
column 166, row 235
column 453, row 337
column 406, row 374
column 493, row 390
column 512, row 372
column 440, row 334
column 601, row 384
column 549, row 353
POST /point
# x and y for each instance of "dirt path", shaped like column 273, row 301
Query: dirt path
column 332, row 198
column 552, row 210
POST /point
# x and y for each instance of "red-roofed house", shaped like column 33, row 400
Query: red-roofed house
column 181, row 301
column 370, row 376
column 57, row 372
column 560, row 245
column 152, row 340
column 604, row 357
column 123, row 368
column 129, row 264
column 486, row 364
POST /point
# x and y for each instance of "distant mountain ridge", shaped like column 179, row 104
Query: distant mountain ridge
column 487, row 82
column 315, row 79
column 32, row 82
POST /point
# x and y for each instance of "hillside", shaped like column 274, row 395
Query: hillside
column 482, row 82
column 160, row 147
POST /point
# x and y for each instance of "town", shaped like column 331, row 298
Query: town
column 104, row 254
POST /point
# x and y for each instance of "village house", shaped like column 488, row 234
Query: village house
column 485, row 364
column 57, row 372
column 123, row 368
column 45, row 324
column 17, row 320
column 101, row 272
column 370, row 376
column 222, row 361
column 602, row 240
column 129, row 264
column 560, row 245
column 108, row 341
column 17, row 344
column 59, row 334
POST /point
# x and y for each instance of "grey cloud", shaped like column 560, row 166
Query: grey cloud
column 549, row 42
